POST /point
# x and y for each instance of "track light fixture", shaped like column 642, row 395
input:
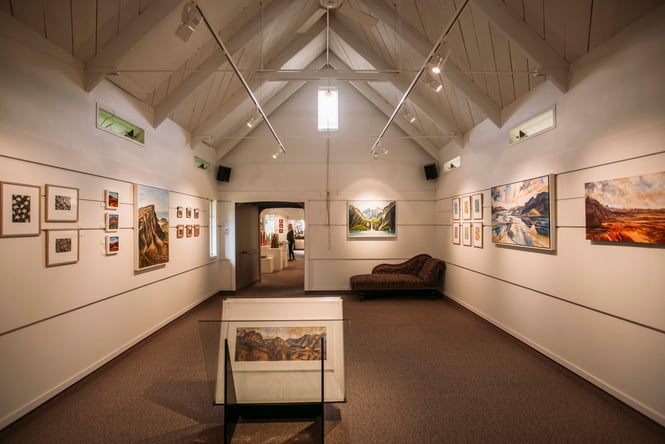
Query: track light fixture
column 438, row 60
column 408, row 116
column 254, row 120
column 190, row 20
column 277, row 154
column 434, row 84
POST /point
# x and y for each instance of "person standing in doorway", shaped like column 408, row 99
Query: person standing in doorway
column 290, row 237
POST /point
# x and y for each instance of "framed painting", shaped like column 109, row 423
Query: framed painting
column 197, row 230
column 112, row 221
column 523, row 214
column 62, row 204
column 111, row 200
column 179, row 212
column 466, row 207
column 180, row 231
column 466, row 234
column 196, row 213
column 477, row 234
column 112, row 244
column 455, row 208
column 62, row 247
column 151, row 226
column 456, row 234
column 188, row 230
column 371, row 219
column 188, row 213
column 19, row 209
column 477, row 206
column 626, row 210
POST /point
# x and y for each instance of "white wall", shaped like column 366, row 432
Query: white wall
column 58, row 324
column 598, row 309
column 325, row 172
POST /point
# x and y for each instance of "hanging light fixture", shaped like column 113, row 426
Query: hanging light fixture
column 254, row 119
column 438, row 60
column 191, row 18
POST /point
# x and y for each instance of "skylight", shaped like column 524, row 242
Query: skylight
column 328, row 113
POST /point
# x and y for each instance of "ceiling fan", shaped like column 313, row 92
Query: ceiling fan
column 343, row 8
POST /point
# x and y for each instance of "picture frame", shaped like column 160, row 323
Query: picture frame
column 179, row 212
column 455, row 204
column 371, row 219
column 197, row 230
column 456, row 234
column 466, row 234
column 111, row 200
column 188, row 230
column 112, row 222
column 19, row 210
column 465, row 202
column 112, row 244
column 62, row 204
column 151, row 227
column 477, row 234
column 477, row 206
column 196, row 213
column 524, row 214
column 188, row 213
column 180, row 231
column 62, row 247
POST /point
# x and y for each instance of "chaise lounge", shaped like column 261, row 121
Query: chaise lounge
column 421, row 272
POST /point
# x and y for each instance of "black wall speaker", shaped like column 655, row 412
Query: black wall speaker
column 430, row 171
column 223, row 173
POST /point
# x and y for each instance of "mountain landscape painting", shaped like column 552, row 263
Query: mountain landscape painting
column 279, row 343
column 628, row 209
column 152, row 226
column 371, row 218
column 522, row 213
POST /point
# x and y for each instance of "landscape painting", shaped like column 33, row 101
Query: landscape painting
column 279, row 343
column 628, row 209
column 522, row 213
column 374, row 218
column 152, row 226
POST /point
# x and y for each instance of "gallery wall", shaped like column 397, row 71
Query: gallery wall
column 596, row 308
column 59, row 323
column 325, row 172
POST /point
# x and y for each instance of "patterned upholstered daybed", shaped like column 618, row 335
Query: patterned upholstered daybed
column 421, row 272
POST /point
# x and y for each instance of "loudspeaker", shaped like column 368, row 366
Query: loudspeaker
column 223, row 173
column 430, row 171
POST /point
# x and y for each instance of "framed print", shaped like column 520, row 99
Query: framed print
column 188, row 213
column 197, row 230
column 62, row 247
column 151, row 227
column 188, row 230
column 62, row 204
column 371, row 219
column 196, row 213
column 180, row 231
column 477, row 206
column 19, row 209
column 523, row 213
column 477, row 234
column 626, row 210
column 112, row 221
column 179, row 212
column 456, row 234
column 111, row 200
column 466, row 234
column 456, row 208
column 466, row 207
column 112, row 244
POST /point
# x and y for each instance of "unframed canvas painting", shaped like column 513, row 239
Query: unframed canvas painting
column 279, row 343
column 374, row 218
column 152, row 226
column 522, row 213
column 628, row 209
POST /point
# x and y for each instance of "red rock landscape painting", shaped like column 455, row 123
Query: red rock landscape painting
column 279, row 343
column 628, row 209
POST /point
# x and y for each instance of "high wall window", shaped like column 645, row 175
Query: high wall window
column 328, row 113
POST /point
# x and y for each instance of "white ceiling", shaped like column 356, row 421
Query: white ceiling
column 500, row 50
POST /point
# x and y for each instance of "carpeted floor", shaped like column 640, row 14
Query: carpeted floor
column 419, row 371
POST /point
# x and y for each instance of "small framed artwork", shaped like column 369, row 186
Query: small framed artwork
column 180, row 231
column 477, row 206
column 371, row 219
column 111, row 200
column 456, row 236
column 188, row 213
column 456, row 208
column 112, row 221
column 188, row 231
column 196, row 213
column 19, row 209
column 112, row 244
column 466, row 207
column 466, row 234
column 62, row 247
column 477, row 234
column 179, row 212
column 62, row 204
column 197, row 230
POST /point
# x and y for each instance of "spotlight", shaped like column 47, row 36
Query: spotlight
column 191, row 18
column 408, row 116
column 437, row 64
column 277, row 154
column 253, row 120
column 434, row 84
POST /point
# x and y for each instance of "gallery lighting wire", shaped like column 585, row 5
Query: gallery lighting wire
column 428, row 59
column 227, row 54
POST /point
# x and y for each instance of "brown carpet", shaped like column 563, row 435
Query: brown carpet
column 419, row 371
